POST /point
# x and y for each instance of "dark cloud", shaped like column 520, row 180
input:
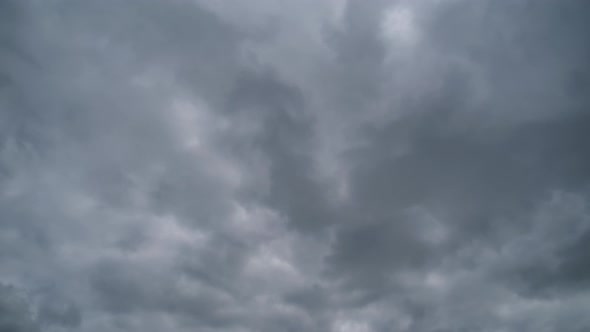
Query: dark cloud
column 296, row 166
column 15, row 314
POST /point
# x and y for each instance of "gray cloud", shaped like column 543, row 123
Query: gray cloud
column 296, row 166
column 14, row 311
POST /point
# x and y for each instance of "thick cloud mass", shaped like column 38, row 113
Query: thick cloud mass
column 345, row 166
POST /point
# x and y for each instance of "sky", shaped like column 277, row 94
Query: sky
column 294, row 165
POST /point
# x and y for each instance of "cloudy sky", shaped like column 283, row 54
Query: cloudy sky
column 294, row 165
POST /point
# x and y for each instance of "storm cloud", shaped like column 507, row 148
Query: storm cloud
column 297, row 165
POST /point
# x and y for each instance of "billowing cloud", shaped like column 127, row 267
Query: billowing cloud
column 339, row 165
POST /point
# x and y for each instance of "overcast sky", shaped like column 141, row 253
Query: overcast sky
column 294, row 165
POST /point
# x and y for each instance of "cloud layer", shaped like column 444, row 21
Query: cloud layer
column 346, row 166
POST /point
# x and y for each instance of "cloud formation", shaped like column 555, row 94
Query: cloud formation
column 346, row 166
